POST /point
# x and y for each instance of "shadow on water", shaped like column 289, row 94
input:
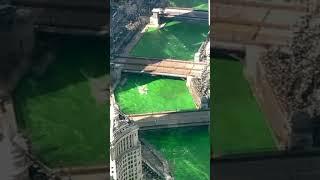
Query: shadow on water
column 74, row 56
column 228, row 55
column 139, row 79
column 41, row 112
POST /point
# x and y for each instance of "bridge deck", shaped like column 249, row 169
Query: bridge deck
column 285, row 5
column 185, row 13
column 171, row 119
column 253, row 25
column 167, row 67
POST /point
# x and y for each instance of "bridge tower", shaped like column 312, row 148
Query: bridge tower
column 155, row 18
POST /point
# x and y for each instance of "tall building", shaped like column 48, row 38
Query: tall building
column 125, row 147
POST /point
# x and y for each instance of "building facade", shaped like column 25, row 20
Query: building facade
column 125, row 147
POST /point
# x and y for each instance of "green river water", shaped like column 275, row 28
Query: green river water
column 68, row 127
column 161, row 94
column 176, row 40
column 195, row 4
column 187, row 149
column 57, row 110
column 237, row 123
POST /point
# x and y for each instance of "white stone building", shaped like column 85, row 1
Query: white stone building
column 125, row 147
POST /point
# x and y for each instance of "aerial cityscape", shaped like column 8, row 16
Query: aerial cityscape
column 160, row 90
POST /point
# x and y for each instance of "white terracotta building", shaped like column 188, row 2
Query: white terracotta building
column 125, row 147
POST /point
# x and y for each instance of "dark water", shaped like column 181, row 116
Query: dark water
column 57, row 110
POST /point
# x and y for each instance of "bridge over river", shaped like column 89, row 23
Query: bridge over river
column 185, row 14
column 168, row 67
column 68, row 17
column 253, row 23
column 171, row 119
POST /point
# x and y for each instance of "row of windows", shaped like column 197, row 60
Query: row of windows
column 129, row 155
column 130, row 165
column 130, row 174
column 129, row 160
column 126, row 143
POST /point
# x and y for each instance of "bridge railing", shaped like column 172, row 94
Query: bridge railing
column 185, row 8
column 165, row 112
